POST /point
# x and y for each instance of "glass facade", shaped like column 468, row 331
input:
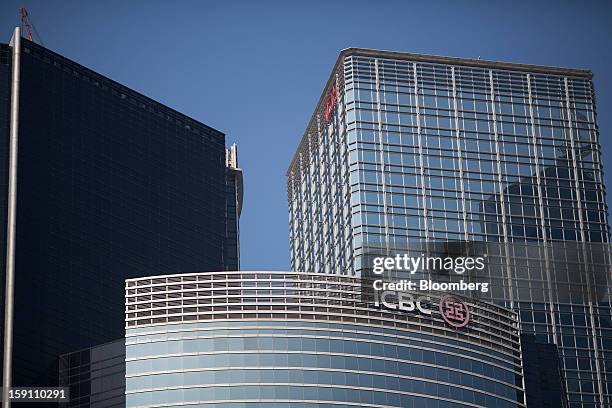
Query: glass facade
column 95, row 376
column 275, row 339
column 408, row 147
column 542, row 368
column 233, row 207
column 111, row 184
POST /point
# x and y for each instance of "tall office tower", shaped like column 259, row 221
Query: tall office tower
column 404, row 147
column 111, row 185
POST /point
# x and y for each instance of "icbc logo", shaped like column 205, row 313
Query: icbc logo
column 330, row 102
column 454, row 311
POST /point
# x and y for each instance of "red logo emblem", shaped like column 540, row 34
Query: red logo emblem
column 330, row 102
column 454, row 311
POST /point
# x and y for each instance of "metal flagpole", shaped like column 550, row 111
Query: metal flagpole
column 10, row 224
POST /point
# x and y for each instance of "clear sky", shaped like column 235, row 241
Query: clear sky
column 255, row 69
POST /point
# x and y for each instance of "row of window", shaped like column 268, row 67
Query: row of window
column 294, row 396
column 409, row 350
column 452, row 388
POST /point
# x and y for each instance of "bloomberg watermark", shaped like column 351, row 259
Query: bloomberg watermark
column 427, row 278
column 430, row 266
column 428, row 284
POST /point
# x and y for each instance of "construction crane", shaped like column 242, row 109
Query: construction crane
column 27, row 23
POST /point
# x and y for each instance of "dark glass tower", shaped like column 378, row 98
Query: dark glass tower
column 406, row 147
column 111, row 185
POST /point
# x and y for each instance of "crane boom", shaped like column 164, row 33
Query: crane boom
column 26, row 22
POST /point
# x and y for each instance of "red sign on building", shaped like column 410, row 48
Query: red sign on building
column 330, row 102
column 454, row 311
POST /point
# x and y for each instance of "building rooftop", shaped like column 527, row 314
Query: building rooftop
column 436, row 59
column 53, row 58
column 472, row 62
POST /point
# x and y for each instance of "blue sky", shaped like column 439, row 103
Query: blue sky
column 255, row 70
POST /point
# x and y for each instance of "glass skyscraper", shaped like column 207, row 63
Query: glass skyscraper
column 306, row 340
column 405, row 147
column 111, row 185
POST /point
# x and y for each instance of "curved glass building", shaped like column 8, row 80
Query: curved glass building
column 289, row 339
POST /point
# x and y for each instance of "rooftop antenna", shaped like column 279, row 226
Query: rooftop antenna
column 29, row 26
